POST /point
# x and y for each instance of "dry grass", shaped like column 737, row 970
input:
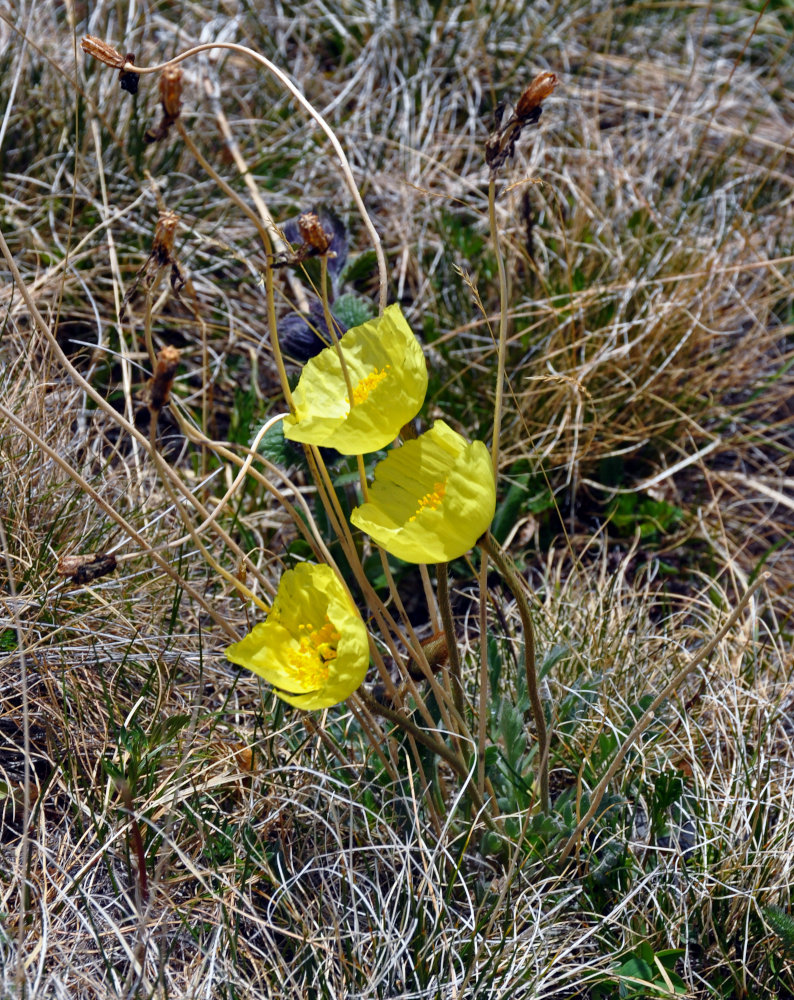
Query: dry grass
column 646, row 436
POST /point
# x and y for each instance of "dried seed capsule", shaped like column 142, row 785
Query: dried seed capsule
column 84, row 569
column 171, row 92
column 535, row 94
column 163, row 244
column 93, row 46
column 163, row 380
column 312, row 232
column 437, row 653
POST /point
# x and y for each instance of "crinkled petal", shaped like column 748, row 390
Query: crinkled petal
column 311, row 603
column 456, row 476
column 387, row 371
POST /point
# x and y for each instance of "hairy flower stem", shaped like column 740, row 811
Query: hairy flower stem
column 515, row 584
column 261, row 225
column 303, row 522
column 497, row 428
column 288, row 85
column 453, row 719
column 378, row 740
column 330, row 326
column 432, row 608
column 502, row 339
column 272, row 327
column 432, row 743
column 142, row 887
column 482, row 700
column 445, row 607
column 386, row 622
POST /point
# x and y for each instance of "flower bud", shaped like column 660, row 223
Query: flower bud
column 160, row 390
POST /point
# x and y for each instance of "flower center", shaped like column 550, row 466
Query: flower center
column 431, row 500
column 309, row 663
column 367, row 384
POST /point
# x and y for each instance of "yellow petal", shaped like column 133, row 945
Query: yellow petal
column 388, row 375
column 431, row 499
column 313, row 647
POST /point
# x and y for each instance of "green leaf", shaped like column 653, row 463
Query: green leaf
column 511, row 725
column 359, row 268
column 8, row 640
column 352, row 309
column 782, row 923
column 552, row 658
column 274, row 447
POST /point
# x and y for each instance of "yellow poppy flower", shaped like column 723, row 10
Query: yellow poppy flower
column 313, row 646
column 388, row 376
column 432, row 498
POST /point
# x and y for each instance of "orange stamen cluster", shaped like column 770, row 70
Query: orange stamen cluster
column 431, row 500
column 317, row 648
column 367, row 384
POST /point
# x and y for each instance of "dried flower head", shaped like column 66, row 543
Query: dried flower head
column 171, row 92
column 170, row 101
column 163, row 380
column 535, row 94
column 84, row 569
column 312, row 232
column 105, row 53
column 162, row 255
column 163, row 245
column 501, row 143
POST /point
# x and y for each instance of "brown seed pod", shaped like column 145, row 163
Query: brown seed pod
column 163, row 380
column 170, row 101
column 164, row 233
column 171, row 92
column 535, row 94
column 436, row 652
column 501, row 143
column 312, row 232
column 93, row 46
column 84, row 569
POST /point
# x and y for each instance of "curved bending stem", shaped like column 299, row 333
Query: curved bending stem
column 285, row 81
column 502, row 341
column 515, row 584
column 445, row 607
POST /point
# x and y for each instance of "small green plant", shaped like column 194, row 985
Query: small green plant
column 782, row 923
column 479, row 746
column 643, row 975
column 653, row 519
